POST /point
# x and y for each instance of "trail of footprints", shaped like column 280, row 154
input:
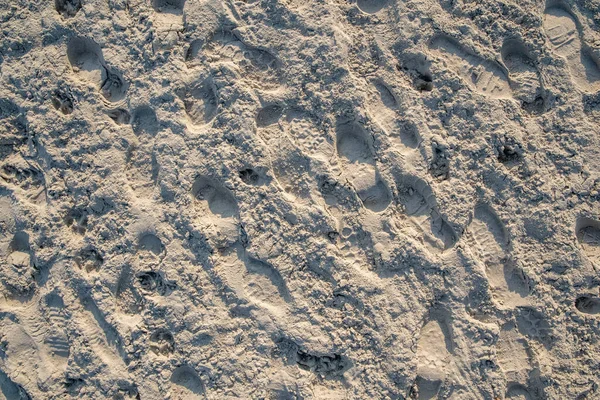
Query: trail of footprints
column 436, row 370
column 260, row 281
column 519, row 77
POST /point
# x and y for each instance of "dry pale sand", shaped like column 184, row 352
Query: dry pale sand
column 293, row 199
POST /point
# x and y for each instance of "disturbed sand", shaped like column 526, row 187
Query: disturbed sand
column 286, row 199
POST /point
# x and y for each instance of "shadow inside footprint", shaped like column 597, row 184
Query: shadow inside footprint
column 269, row 115
column 220, row 200
column 588, row 304
column 145, row 121
column 162, row 342
column 371, row 6
column 151, row 243
column 354, row 143
column 85, row 57
column 187, row 377
column 272, row 275
column 67, row 8
column 168, row 6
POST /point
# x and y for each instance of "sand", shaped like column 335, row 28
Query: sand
column 284, row 199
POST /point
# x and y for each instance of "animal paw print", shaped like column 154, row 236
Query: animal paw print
column 89, row 259
column 162, row 342
column 77, row 220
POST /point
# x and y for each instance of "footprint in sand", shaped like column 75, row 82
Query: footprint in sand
column 168, row 6
column 489, row 241
column 253, row 177
column 265, row 285
column 218, row 210
column 186, row 383
column 588, row 304
column 53, row 309
column 290, row 165
column 355, row 148
column 562, row 29
column 269, row 115
column 151, row 243
column 120, row 116
column 201, row 102
column 384, row 107
column 100, row 336
column 12, row 390
column 20, row 349
column 484, row 76
column 144, row 121
column 434, row 355
column 588, row 235
column 40, row 337
column 63, row 101
column 152, row 282
column 291, row 168
column 515, row 358
column 257, row 67
column 77, row 219
column 422, row 215
column 85, row 57
column 168, row 21
column 257, row 281
column 525, row 78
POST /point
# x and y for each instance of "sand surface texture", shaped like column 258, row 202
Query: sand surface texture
column 294, row 199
